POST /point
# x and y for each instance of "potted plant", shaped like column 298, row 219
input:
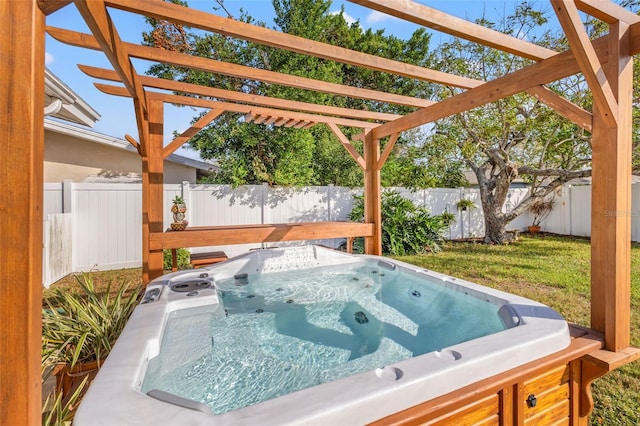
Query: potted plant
column 447, row 218
column 79, row 329
column 540, row 208
column 465, row 204
column 178, row 209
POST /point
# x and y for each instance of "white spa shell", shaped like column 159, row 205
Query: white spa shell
column 115, row 398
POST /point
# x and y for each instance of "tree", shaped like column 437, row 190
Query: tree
column 251, row 154
column 517, row 136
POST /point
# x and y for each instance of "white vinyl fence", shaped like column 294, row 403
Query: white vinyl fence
column 98, row 226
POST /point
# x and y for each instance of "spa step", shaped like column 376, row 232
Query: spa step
column 207, row 258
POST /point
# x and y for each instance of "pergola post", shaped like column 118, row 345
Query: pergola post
column 21, row 180
column 611, row 201
column 153, row 191
column 372, row 194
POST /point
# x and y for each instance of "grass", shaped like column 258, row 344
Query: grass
column 553, row 270
column 101, row 281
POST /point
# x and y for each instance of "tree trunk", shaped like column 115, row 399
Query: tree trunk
column 495, row 221
column 494, row 225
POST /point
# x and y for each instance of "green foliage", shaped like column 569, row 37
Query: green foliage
column 178, row 200
column 58, row 410
column 183, row 259
column 83, row 327
column 448, row 218
column 406, row 228
column 255, row 154
column 465, row 204
column 540, row 209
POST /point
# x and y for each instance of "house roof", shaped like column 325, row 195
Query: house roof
column 95, row 137
column 587, row 180
column 63, row 103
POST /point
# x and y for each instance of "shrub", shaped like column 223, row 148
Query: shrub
column 184, row 259
column 406, row 228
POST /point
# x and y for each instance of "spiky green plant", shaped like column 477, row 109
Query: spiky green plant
column 83, row 327
column 59, row 410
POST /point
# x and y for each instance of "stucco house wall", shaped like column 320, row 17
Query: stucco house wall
column 82, row 155
column 73, row 151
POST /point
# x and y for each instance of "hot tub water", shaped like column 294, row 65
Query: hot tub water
column 280, row 332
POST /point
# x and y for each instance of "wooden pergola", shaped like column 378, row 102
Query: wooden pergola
column 606, row 63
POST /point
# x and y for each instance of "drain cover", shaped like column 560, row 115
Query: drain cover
column 361, row 317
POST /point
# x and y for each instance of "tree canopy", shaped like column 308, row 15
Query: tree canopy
column 253, row 153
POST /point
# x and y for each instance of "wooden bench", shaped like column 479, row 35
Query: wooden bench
column 198, row 259
column 207, row 258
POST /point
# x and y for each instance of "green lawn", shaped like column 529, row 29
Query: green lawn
column 555, row 271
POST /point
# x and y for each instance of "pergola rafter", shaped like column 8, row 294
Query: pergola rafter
column 274, row 114
column 246, row 98
column 239, row 71
column 605, row 62
column 607, row 11
column 268, row 37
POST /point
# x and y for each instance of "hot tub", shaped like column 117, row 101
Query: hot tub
column 308, row 335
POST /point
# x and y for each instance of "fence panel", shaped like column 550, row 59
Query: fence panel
column 218, row 205
column 52, row 199
column 635, row 212
column 107, row 226
column 57, row 247
column 106, row 229
column 580, row 213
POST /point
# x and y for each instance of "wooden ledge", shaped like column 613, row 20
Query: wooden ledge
column 201, row 236
column 608, row 360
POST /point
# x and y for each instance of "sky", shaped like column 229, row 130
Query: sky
column 117, row 115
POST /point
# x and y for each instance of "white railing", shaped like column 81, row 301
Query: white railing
column 103, row 222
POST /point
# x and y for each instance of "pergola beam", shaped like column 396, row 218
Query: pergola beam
column 348, row 146
column 239, row 71
column 106, row 36
column 443, row 22
column 565, row 108
column 191, row 131
column 543, row 72
column 587, row 59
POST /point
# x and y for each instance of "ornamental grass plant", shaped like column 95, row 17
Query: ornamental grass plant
column 82, row 327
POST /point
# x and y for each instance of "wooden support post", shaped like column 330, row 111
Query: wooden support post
column 153, row 192
column 611, row 201
column 21, row 180
column 372, row 194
